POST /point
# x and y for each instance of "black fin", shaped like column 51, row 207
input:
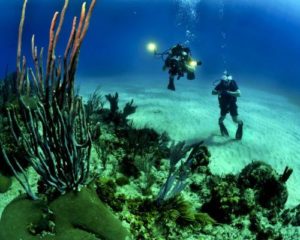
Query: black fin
column 171, row 85
column 239, row 132
column 223, row 130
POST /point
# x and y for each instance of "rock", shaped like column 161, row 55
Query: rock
column 5, row 183
column 77, row 216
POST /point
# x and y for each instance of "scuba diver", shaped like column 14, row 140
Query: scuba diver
column 178, row 60
column 228, row 91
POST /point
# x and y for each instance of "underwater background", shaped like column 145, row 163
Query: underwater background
column 258, row 42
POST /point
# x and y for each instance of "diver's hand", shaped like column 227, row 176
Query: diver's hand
column 224, row 93
column 236, row 93
column 214, row 92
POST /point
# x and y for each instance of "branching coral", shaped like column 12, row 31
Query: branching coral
column 54, row 133
column 116, row 116
column 177, row 177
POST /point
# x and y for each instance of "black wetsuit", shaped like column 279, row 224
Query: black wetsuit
column 177, row 59
column 227, row 102
column 174, row 66
column 176, row 62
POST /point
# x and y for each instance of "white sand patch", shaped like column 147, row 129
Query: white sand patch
column 271, row 122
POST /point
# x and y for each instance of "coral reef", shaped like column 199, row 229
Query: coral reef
column 54, row 134
column 257, row 186
column 12, row 149
column 270, row 190
column 100, row 177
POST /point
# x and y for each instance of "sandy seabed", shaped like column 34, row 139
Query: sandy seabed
column 271, row 122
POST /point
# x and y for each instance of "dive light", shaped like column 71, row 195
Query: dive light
column 151, row 47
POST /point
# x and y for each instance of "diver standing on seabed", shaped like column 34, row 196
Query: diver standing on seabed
column 228, row 91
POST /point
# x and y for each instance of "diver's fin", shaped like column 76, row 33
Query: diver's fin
column 171, row 85
column 223, row 130
column 239, row 132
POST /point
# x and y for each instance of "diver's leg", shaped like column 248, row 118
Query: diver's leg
column 236, row 120
column 171, row 85
column 239, row 122
column 223, row 129
column 239, row 130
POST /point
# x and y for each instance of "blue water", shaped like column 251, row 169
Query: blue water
column 257, row 41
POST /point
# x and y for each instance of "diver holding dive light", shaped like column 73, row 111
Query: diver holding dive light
column 178, row 60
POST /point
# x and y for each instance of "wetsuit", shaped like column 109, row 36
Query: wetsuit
column 227, row 102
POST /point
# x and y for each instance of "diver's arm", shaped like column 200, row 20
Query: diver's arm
column 236, row 93
column 215, row 92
